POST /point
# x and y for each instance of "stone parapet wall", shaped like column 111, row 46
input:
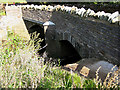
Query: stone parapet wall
column 13, row 22
column 110, row 17
column 13, row 11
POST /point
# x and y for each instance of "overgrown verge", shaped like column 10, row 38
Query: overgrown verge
column 22, row 67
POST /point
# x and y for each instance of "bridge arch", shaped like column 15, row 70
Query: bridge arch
column 68, row 52
column 82, row 48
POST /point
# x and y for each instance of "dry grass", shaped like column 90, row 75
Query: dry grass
column 21, row 67
column 19, row 64
column 111, row 80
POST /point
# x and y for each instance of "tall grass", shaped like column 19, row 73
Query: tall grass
column 19, row 63
column 22, row 67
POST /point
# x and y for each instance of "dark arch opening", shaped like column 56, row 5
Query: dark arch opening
column 68, row 53
column 38, row 29
column 62, row 50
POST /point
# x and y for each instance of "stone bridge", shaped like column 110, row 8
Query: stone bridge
column 90, row 37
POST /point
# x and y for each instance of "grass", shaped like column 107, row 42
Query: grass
column 22, row 67
column 2, row 13
column 11, row 1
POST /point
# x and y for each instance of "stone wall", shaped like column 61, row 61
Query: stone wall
column 90, row 37
column 82, row 12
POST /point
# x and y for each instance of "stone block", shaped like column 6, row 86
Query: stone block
column 72, row 66
column 85, row 71
column 57, row 37
column 73, row 41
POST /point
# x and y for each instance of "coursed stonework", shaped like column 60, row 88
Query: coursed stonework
column 90, row 37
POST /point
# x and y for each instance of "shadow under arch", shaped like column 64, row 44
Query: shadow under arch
column 68, row 53
column 38, row 29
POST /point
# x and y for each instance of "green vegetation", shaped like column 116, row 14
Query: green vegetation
column 22, row 67
column 11, row 1
column 2, row 12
